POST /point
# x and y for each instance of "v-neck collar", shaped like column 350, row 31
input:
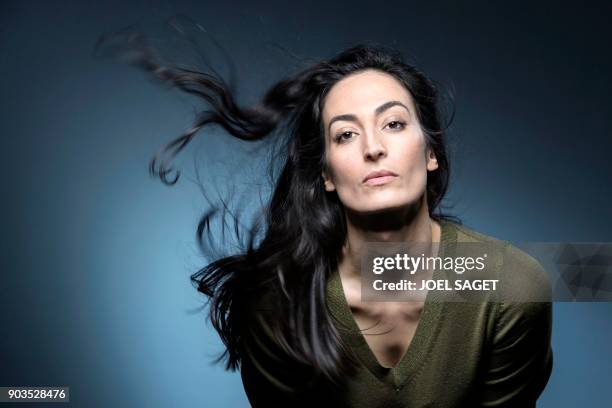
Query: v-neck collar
column 424, row 337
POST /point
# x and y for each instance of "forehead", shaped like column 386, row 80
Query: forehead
column 363, row 92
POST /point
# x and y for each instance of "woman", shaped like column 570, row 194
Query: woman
column 365, row 161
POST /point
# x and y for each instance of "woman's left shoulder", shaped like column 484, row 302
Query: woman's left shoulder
column 522, row 278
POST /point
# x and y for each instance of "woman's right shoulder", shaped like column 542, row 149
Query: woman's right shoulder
column 260, row 312
column 262, row 300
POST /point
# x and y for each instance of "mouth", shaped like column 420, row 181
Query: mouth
column 379, row 177
column 380, row 180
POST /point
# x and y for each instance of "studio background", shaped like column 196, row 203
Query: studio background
column 96, row 255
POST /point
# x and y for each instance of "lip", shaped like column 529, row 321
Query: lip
column 379, row 177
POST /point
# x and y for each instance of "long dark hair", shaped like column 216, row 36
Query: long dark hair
column 304, row 226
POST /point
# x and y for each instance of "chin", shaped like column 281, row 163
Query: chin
column 385, row 204
column 385, row 207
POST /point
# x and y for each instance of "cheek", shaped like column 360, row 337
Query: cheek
column 409, row 154
column 343, row 169
column 346, row 173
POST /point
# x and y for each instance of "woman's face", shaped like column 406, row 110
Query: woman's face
column 371, row 125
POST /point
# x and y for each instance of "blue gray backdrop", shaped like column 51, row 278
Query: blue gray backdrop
column 96, row 255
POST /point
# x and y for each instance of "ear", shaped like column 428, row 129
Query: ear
column 432, row 162
column 329, row 184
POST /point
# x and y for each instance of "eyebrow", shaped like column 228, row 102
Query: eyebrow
column 352, row 118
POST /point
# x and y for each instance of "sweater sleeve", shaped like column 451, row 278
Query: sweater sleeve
column 520, row 362
column 520, row 358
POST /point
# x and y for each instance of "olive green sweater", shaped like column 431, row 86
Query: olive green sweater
column 488, row 354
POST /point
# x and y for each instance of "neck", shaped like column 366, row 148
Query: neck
column 407, row 224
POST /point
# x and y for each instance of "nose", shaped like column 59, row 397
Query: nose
column 374, row 149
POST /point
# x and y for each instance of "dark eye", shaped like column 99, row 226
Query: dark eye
column 397, row 125
column 340, row 137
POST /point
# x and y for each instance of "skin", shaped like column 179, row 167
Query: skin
column 396, row 211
